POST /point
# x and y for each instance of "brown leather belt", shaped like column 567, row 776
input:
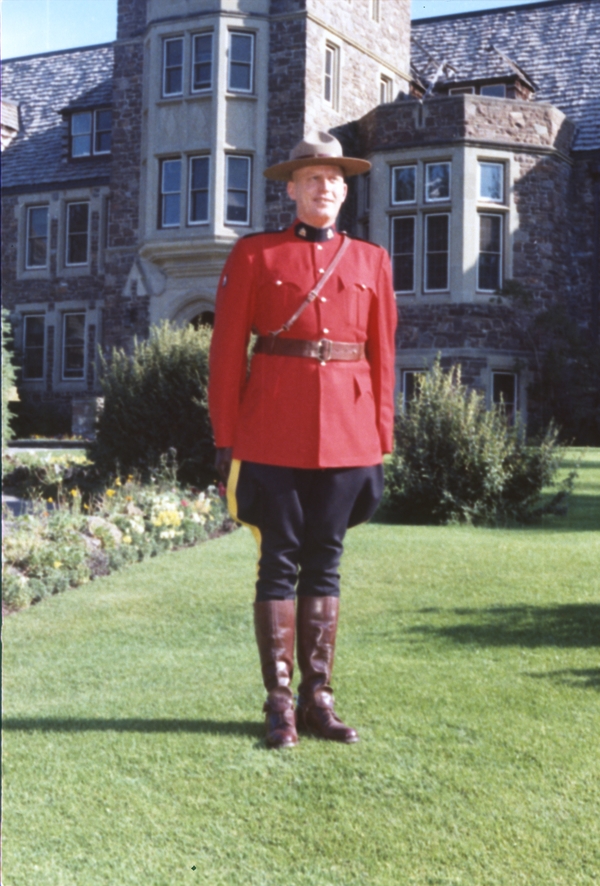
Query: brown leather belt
column 324, row 350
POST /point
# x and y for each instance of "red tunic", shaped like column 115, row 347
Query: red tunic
column 295, row 411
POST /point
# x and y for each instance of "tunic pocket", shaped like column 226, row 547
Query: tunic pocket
column 357, row 302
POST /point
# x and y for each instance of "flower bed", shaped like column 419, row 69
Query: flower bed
column 68, row 540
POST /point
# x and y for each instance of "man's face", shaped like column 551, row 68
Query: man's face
column 318, row 192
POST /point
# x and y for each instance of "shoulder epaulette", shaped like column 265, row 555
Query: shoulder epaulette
column 258, row 233
column 363, row 240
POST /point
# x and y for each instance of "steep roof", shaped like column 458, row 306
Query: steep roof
column 556, row 43
column 42, row 86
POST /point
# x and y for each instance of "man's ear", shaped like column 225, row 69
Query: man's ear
column 291, row 189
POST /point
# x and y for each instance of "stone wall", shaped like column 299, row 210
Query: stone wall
column 125, row 318
column 131, row 19
column 454, row 118
column 285, row 115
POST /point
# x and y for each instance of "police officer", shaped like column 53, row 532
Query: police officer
column 301, row 435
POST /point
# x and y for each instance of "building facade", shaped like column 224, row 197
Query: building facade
column 133, row 168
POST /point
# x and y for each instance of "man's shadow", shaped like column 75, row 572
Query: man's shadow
column 133, row 724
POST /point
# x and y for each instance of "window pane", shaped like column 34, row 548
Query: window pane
column 74, row 346
column 240, row 62
column 202, row 61
column 199, row 189
column 171, row 176
column 241, row 48
column 77, row 233
column 437, row 233
column 436, row 263
column 490, row 252
column 174, row 53
column 491, row 181
column 497, row 90
column 489, row 239
column 33, row 356
column 437, row 181
column 37, row 236
column 237, row 172
column 170, row 216
column 173, row 70
column 404, row 184
column 102, row 138
column 81, row 123
column 403, row 254
column 237, row 206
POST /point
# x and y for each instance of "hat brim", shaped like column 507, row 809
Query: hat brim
column 349, row 165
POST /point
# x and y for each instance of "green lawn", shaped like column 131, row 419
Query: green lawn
column 468, row 659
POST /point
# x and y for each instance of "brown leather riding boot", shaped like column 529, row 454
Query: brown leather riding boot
column 317, row 619
column 274, row 624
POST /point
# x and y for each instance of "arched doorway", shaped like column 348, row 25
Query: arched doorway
column 204, row 318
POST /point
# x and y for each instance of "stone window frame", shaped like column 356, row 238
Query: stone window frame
column 69, row 204
column 191, row 158
column 332, row 52
column 65, row 314
column 386, row 88
column 247, row 33
column 500, row 217
column 448, row 252
column 172, row 38
column 415, row 220
column 202, row 90
column 92, row 133
column 28, row 238
column 24, row 346
column 242, row 156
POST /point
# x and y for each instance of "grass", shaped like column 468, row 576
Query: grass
column 468, row 659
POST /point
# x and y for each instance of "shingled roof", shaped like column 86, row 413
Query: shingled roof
column 556, row 42
column 42, row 86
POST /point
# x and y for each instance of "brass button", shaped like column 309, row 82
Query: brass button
column 278, row 282
column 319, row 246
column 325, row 331
column 323, row 298
column 321, row 270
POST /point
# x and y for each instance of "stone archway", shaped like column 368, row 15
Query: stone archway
column 204, row 318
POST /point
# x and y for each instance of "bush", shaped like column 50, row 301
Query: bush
column 455, row 461
column 8, row 380
column 155, row 402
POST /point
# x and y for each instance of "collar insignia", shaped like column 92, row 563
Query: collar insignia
column 302, row 232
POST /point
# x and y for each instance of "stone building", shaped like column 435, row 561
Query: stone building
column 138, row 164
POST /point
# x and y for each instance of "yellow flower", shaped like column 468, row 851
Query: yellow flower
column 50, row 499
column 117, row 482
column 110, row 492
column 57, row 564
column 74, row 492
column 86, row 507
column 126, row 539
column 129, row 478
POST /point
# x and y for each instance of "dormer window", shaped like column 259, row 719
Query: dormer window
column 91, row 133
column 495, row 90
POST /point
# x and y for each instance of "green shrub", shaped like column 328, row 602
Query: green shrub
column 8, row 380
column 155, row 402
column 455, row 461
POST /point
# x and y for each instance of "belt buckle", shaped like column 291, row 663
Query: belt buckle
column 325, row 350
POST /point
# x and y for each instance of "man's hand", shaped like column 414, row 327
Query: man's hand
column 223, row 462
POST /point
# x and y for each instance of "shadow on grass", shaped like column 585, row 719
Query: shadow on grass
column 581, row 679
column 133, row 724
column 571, row 625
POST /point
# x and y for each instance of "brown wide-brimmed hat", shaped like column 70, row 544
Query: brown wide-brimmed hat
column 317, row 149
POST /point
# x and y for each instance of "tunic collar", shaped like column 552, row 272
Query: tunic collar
column 313, row 235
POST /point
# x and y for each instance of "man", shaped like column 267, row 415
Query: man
column 301, row 436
